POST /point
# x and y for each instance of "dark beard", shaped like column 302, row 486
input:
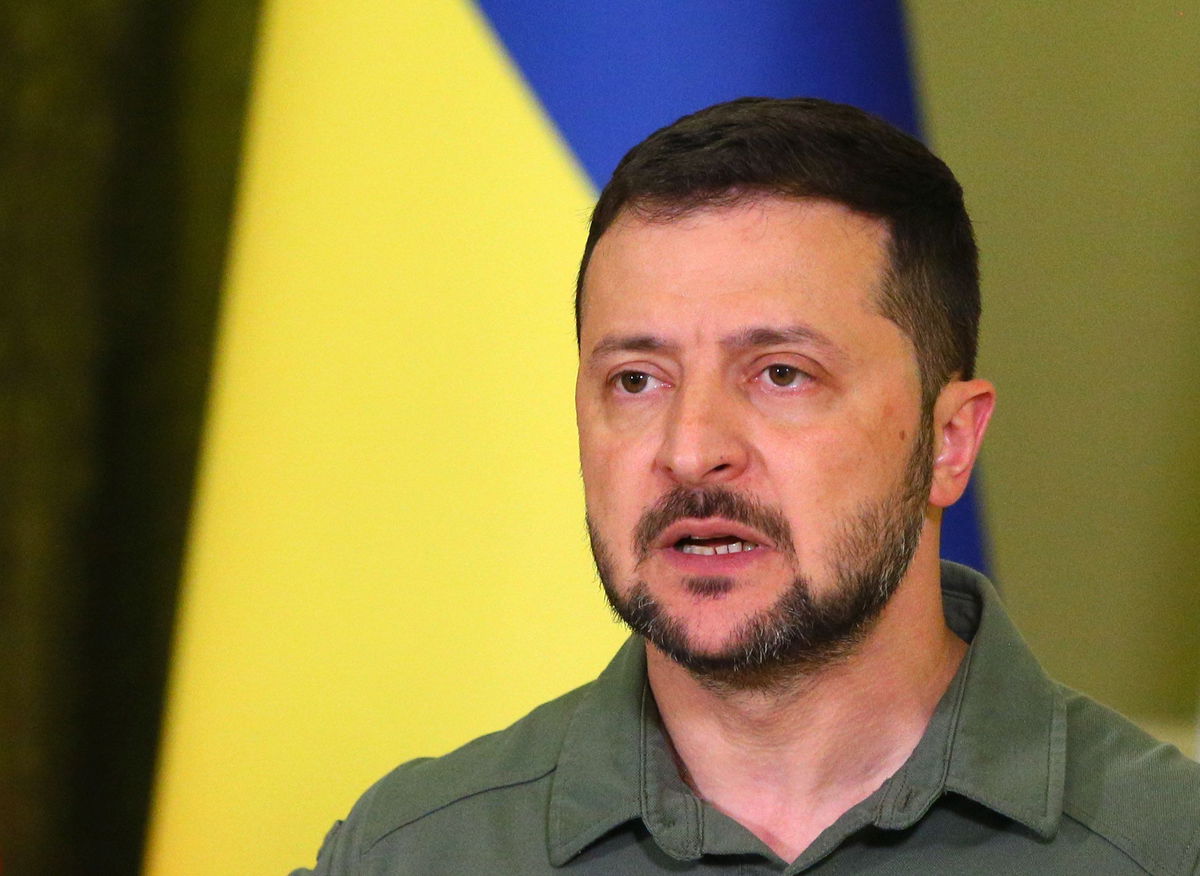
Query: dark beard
column 799, row 633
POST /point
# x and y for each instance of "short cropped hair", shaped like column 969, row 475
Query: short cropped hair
column 809, row 148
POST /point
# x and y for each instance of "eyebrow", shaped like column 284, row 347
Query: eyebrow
column 768, row 336
column 747, row 339
column 629, row 344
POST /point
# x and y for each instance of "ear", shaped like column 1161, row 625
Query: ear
column 960, row 418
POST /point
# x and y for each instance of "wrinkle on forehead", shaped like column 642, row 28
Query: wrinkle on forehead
column 868, row 235
column 649, row 213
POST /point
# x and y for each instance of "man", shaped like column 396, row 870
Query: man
column 777, row 312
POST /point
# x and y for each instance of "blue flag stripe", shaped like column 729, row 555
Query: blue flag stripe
column 610, row 73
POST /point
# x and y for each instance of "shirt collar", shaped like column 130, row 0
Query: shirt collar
column 597, row 783
column 1006, row 746
column 997, row 737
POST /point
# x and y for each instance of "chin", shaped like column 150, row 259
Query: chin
column 759, row 644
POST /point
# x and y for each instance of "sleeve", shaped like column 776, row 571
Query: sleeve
column 342, row 851
column 334, row 858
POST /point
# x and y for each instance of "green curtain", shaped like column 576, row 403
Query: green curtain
column 122, row 124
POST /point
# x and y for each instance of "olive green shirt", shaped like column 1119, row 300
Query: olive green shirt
column 1014, row 774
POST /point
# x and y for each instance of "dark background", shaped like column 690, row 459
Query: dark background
column 118, row 153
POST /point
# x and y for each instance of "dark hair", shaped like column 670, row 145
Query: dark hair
column 809, row 148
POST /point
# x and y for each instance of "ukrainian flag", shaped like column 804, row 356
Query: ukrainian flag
column 388, row 555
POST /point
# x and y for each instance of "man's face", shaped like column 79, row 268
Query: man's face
column 753, row 455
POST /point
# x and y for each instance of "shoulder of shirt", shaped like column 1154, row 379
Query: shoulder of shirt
column 522, row 753
column 1139, row 794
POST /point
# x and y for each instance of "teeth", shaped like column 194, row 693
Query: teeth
column 706, row 551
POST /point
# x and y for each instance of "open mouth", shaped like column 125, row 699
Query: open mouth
column 708, row 547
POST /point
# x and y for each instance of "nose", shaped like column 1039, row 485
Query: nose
column 704, row 439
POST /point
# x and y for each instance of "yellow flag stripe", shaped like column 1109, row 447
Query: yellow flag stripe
column 387, row 554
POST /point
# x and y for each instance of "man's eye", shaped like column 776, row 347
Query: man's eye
column 634, row 381
column 785, row 375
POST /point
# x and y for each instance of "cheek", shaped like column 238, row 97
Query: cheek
column 594, row 443
column 619, row 485
column 815, row 466
column 607, row 469
column 824, row 477
column 866, row 453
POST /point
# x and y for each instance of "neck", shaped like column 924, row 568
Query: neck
column 788, row 761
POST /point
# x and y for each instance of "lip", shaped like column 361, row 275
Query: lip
column 710, row 527
column 717, row 565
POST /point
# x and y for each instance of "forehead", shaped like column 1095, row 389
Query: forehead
column 767, row 260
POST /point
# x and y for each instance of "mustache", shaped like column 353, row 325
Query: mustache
column 681, row 503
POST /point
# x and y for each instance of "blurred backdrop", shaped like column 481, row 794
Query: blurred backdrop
column 347, row 531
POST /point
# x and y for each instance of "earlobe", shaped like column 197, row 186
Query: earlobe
column 961, row 414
